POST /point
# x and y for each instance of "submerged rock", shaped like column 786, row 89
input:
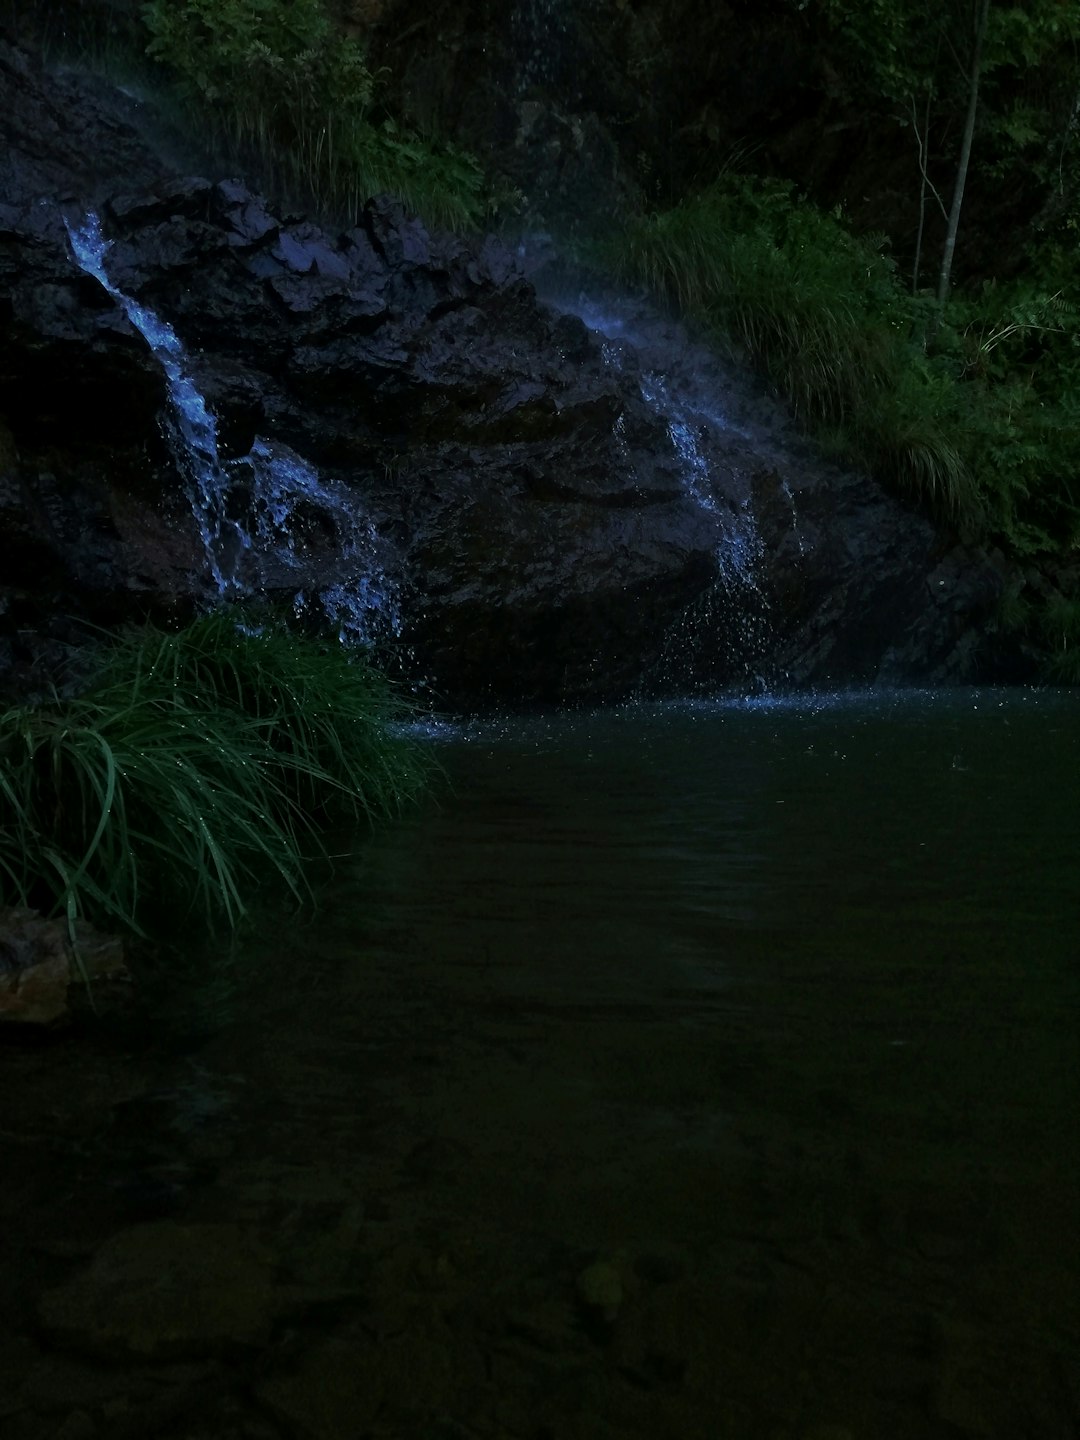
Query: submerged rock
column 39, row 966
column 165, row 1290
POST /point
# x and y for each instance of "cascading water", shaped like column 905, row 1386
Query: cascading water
column 283, row 489
column 735, row 610
column 263, row 504
column 732, row 622
column 190, row 427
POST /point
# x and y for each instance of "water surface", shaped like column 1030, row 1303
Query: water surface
column 695, row 1069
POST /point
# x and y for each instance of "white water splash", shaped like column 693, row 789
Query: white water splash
column 283, row 483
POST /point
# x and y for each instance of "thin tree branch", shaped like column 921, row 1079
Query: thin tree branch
column 922, row 144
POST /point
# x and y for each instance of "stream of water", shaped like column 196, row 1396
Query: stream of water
column 255, row 507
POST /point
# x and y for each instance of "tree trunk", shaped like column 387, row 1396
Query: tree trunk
column 922, row 140
column 981, row 17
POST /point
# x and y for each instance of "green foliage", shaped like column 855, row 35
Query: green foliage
column 982, row 427
column 893, row 45
column 211, row 43
column 897, row 49
column 820, row 311
column 911, row 60
column 1015, row 352
column 193, row 766
column 1059, row 623
column 1051, row 626
column 275, row 79
column 1014, row 611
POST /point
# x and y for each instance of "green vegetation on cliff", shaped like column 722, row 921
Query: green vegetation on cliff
column 275, row 79
column 191, row 767
column 974, row 411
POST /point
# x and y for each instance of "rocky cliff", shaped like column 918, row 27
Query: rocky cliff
column 566, row 510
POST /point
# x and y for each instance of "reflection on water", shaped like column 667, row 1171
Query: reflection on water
column 688, row 1070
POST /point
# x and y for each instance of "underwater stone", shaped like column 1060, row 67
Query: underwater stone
column 163, row 1290
column 38, row 967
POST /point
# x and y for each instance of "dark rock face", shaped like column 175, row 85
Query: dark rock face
column 558, row 533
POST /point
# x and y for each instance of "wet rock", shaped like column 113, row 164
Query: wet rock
column 326, row 1253
column 670, row 1339
column 659, row 1267
column 66, row 1383
column 436, row 1158
column 39, row 966
column 17, row 1357
column 551, row 1325
column 25, row 1426
column 178, row 1397
column 52, row 127
column 166, row 1290
column 342, row 1384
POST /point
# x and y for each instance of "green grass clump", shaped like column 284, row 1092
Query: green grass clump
column 275, row 80
column 194, row 766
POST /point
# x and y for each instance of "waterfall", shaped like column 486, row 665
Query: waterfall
column 732, row 619
column 190, row 427
column 255, row 508
column 736, row 607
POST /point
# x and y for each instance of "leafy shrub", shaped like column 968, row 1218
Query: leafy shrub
column 276, row 79
column 193, row 765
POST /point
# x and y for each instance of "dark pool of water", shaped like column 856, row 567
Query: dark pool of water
column 692, row 1070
